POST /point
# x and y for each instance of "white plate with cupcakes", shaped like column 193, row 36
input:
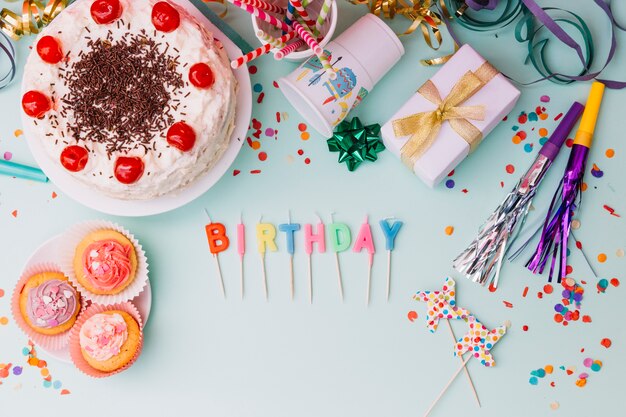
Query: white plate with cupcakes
column 84, row 297
column 131, row 107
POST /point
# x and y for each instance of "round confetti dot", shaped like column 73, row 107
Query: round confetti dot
column 569, row 269
column 544, row 99
column 581, row 382
column 4, row 321
column 45, row 372
column 615, row 282
column 300, row 152
column 554, row 405
column 587, row 362
column 412, row 316
column 548, row 289
column 269, row 132
column 576, row 224
column 602, row 258
column 533, row 380
column 619, row 253
column 307, row 161
column 603, row 284
column 510, row 169
column 558, row 318
column 525, row 328
column 610, row 153
column 606, row 342
column 595, row 367
column 549, row 369
column 1, row 293
column 302, row 127
column 527, row 148
column 17, row 370
column 516, row 139
column 543, row 140
column 450, row 183
column 449, row 230
column 543, row 131
column 255, row 144
column 257, row 88
column 8, row 155
column 56, row 384
column 252, row 69
column 25, row 351
column 262, row 156
column 305, row 135
column 47, row 384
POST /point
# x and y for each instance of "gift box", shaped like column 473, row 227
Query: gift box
column 449, row 115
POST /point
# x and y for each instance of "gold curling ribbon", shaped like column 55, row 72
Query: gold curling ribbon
column 33, row 18
column 419, row 12
column 224, row 5
column 424, row 127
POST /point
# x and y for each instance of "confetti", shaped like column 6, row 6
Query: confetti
column 596, row 171
column 510, row 169
column 610, row 153
column 554, row 405
column 602, row 258
column 412, row 316
column 449, row 230
column 4, row 321
column 606, row 342
column 611, row 210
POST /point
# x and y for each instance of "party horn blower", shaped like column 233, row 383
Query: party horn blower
column 556, row 228
column 482, row 260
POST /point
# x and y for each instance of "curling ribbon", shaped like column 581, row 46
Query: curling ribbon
column 419, row 12
column 34, row 17
column 224, row 5
column 424, row 127
column 7, row 48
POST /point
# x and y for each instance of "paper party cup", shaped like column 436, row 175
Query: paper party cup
column 360, row 56
column 303, row 52
column 75, row 235
column 48, row 342
column 74, row 340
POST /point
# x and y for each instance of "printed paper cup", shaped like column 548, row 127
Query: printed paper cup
column 74, row 340
column 48, row 342
column 313, row 8
column 75, row 235
column 360, row 57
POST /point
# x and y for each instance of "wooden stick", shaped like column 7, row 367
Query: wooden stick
column 219, row 273
column 291, row 272
column 310, row 282
column 264, row 275
column 241, row 274
column 339, row 280
column 369, row 277
column 467, row 374
column 447, row 386
column 388, row 272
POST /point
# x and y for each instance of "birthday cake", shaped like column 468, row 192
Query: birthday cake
column 134, row 98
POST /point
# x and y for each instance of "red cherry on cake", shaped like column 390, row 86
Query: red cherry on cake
column 201, row 75
column 74, row 158
column 181, row 136
column 105, row 11
column 165, row 17
column 35, row 104
column 49, row 49
column 128, row 169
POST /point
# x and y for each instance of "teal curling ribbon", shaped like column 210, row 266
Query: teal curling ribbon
column 356, row 143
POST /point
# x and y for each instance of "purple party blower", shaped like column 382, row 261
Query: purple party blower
column 482, row 260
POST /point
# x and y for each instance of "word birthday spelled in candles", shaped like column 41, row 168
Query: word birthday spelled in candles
column 314, row 238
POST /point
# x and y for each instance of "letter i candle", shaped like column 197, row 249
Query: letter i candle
column 364, row 240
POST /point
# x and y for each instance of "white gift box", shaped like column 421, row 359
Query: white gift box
column 498, row 97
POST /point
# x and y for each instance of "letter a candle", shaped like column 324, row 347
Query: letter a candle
column 364, row 240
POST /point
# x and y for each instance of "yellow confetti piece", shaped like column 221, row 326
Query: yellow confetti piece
column 18, row 133
column 4, row 321
column 549, row 369
column 619, row 253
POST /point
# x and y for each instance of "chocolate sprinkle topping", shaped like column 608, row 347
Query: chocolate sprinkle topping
column 120, row 92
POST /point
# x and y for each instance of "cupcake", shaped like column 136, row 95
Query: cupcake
column 109, row 340
column 105, row 262
column 48, row 303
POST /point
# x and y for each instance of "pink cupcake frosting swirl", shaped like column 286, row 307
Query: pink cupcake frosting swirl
column 102, row 335
column 106, row 264
column 51, row 304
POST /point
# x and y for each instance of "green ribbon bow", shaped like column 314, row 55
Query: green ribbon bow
column 356, row 143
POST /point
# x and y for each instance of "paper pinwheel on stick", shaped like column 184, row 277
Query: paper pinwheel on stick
column 478, row 341
column 442, row 306
column 556, row 229
column 482, row 260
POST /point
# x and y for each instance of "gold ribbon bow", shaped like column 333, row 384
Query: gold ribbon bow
column 424, row 127
column 34, row 17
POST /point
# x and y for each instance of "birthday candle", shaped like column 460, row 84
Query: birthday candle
column 265, row 234
column 309, row 239
column 340, row 239
column 290, row 229
column 241, row 249
column 390, row 233
column 218, row 242
column 364, row 240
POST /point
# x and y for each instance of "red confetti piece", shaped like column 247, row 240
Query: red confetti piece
column 569, row 142
column 464, row 191
column 307, row 161
column 510, row 169
column 522, row 118
column 275, row 84
column 579, row 245
column 14, row 213
column 492, row 288
column 412, row 316
column 525, row 328
column 262, row 156
column 548, row 289
column 255, row 171
column 558, row 116
column 256, row 124
column 65, row 392
column 525, row 292
column 54, row 195
column 521, row 134
column 611, row 210
column 252, row 69
column 501, row 184
column 236, row 172
column 260, row 98
column 451, row 173
column 539, row 295
column 586, row 319
column 508, row 304
column 606, row 342
column 278, row 117
column 615, row 282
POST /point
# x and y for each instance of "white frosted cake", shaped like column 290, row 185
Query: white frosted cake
column 132, row 97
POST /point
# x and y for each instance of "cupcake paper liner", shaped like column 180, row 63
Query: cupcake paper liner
column 75, row 235
column 48, row 342
column 74, row 340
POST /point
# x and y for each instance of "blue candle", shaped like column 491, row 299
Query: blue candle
column 290, row 229
column 390, row 232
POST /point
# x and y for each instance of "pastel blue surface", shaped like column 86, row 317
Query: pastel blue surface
column 207, row 356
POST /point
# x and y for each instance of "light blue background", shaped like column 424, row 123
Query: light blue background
column 207, row 356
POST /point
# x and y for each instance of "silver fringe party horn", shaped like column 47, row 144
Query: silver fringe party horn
column 482, row 260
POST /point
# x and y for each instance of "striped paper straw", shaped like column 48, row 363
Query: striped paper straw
column 263, row 5
column 306, row 36
column 303, row 14
column 321, row 17
column 267, row 38
column 289, row 14
column 260, row 51
column 262, row 15
column 292, row 47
